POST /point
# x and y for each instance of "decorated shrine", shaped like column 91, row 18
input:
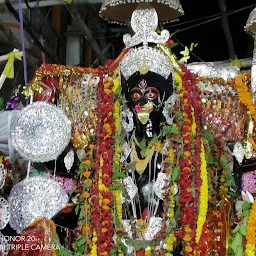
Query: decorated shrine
column 163, row 151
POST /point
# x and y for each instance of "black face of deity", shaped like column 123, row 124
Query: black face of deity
column 146, row 95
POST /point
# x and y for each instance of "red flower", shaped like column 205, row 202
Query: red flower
column 140, row 253
column 169, row 41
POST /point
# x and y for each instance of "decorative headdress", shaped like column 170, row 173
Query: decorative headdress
column 120, row 11
column 144, row 58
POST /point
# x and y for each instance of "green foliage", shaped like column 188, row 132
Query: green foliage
column 175, row 173
column 118, row 91
column 1, row 103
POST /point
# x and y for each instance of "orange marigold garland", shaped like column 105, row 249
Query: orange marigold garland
column 84, row 174
column 251, row 233
column 244, row 94
column 189, row 178
column 102, row 199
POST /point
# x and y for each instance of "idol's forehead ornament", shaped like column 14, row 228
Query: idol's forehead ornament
column 145, row 58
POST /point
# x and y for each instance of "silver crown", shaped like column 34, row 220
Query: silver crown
column 120, row 11
column 250, row 26
column 144, row 58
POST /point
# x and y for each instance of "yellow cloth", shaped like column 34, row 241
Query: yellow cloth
column 9, row 67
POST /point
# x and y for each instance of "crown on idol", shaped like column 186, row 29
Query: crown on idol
column 144, row 58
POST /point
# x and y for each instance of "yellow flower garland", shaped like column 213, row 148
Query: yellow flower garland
column 117, row 116
column 171, row 238
column 203, row 204
column 244, row 94
column 94, row 244
column 251, row 233
column 118, row 150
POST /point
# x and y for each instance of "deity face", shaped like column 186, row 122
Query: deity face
column 146, row 95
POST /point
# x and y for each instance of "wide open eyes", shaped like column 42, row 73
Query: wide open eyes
column 136, row 94
column 150, row 93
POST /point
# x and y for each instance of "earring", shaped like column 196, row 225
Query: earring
column 167, row 111
column 127, row 114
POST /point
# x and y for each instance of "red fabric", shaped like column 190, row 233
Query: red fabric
column 35, row 240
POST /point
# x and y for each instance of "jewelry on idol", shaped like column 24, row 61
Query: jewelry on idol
column 167, row 111
column 127, row 114
column 141, row 164
column 160, row 101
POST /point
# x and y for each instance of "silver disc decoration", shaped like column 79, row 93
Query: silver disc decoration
column 3, row 173
column 41, row 132
column 35, row 197
column 3, row 245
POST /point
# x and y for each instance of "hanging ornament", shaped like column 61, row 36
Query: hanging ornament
column 35, row 197
column 80, row 154
column 69, row 160
column 239, row 152
column 41, row 132
column 4, row 213
column 3, row 173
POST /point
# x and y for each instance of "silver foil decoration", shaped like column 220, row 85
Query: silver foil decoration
column 154, row 226
column 69, row 160
column 253, row 69
column 250, row 26
column 4, row 247
column 144, row 57
column 41, row 132
column 127, row 227
column 176, row 188
column 3, row 173
column 148, row 193
column 127, row 114
column 35, row 197
column 239, row 152
column 154, row 59
column 4, row 213
column 144, row 22
column 130, row 187
column 126, row 152
column 208, row 69
column 80, row 154
column 159, row 185
column 167, row 110
column 120, row 11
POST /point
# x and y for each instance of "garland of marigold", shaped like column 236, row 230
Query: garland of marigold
column 187, row 202
column 84, row 174
column 170, row 238
column 102, row 199
column 251, row 233
column 244, row 94
column 203, row 200
column 117, row 155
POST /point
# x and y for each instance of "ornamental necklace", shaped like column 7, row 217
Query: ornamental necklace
column 141, row 164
